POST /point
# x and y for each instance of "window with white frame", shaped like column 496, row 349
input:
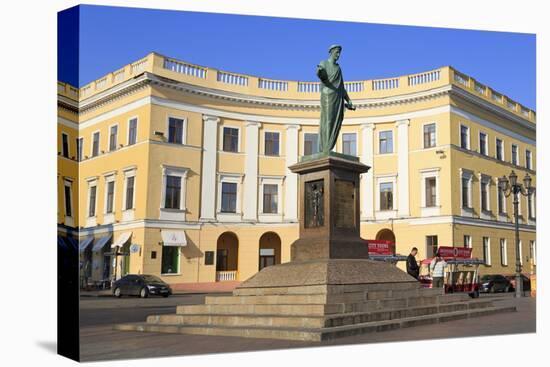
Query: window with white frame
column 486, row 250
column 271, row 143
column 467, row 241
column 311, row 143
column 430, row 191
column 464, row 137
column 92, row 199
column 172, row 196
column 79, row 144
column 229, row 197
column 172, row 201
column 270, row 198
column 484, row 184
column 176, row 130
column 129, row 194
column 95, row 144
column 501, row 200
column 515, row 157
column 466, row 189
column 230, row 139
column 68, row 195
column 429, row 135
column 528, row 161
column 65, row 145
column 483, row 144
column 499, row 150
column 110, row 196
column 132, row 131
column 503, row 252
column 349, row 143
column 386, row 196
column 385, row 142
column 113, row 137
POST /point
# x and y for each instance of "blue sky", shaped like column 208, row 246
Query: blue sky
column 283, row 48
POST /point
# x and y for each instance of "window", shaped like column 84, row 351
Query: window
column 221, row 260
column 175, row 130
column 386, row 196
column 113, row 132
column 91, row 201
column 68, row 206
column 79, row 143
column 464, row 137
column 65, row 145
column 528, row 163
column 229, row 197
column 110, row 197
column 132, row 131
column 500, row 150
column 429, row 136
column 431, row 196
column 503, row 252
column 431, row 245
column 484, row 196
column 95, row 144
column 515, row 157
column 483, row 143
column 267, row 257
column 501, row 200
column 173, row 192
column 349, row 144
column 130, row 181
column 311, row 143
column 270, row 198
column 466, row 182
column 230, row 139
column 385, row 143
column 170, row 259
column 486, row 250
column 467, row 241
column 271, row 140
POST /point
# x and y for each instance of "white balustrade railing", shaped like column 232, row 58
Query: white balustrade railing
column 480, row 88
column 354, row 86
column 272, row 84
column 118, row 76
column 184, row 68
column 383, row 84
column 511, row 104
column 230, row 78
column 101, row 83
column 428, row 77
column 309, row 87
column 524, row 111
column 85, row 90
column 222, row 276
column 139, row 66
column 462, row 79
column 73, row 92
column 60, row 88
column 497, row 97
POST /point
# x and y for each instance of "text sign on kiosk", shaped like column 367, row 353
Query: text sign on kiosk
column 448, row 252
column 380, row 247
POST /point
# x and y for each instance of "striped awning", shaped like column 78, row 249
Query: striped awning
column 83, row 244
column 101, row 242
column 174, row 238
column 122, row 239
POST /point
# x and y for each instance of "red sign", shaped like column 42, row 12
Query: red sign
column 448, row 252
column 380, row 247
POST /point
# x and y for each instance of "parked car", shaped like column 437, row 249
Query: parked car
column 495, row 283
column 526, row 282
column 141, row 285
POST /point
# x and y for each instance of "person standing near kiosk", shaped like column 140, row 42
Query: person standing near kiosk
column 412, row 266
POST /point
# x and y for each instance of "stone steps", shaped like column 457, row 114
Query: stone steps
column 309, row 320
column 313, row 334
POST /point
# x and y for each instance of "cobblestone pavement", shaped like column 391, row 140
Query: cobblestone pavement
column 100, row 342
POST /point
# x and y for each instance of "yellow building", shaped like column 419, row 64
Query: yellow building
column 183, row 168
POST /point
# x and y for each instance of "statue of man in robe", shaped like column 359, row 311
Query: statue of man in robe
column 334, row 99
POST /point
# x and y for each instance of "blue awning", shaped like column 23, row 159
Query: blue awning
column 83, row 244
column 101, row 242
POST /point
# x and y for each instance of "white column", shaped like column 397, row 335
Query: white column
column 402, row 168
column 367, row 152
column 291, row 180
column 250, row 190
column 208, row 174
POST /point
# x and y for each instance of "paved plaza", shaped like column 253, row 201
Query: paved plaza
column 100, row 342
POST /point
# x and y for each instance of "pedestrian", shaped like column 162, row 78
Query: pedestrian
column 437, row 268
column 412, row 266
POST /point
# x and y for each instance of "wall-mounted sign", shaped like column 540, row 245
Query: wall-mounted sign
column 134, row 248
column 209, row 258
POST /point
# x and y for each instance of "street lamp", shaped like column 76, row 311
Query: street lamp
column 509, row 185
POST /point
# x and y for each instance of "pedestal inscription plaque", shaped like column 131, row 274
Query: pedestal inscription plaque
column 344, row 204
column 314, row 204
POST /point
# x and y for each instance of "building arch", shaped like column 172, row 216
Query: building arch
column 227, row 252
column 269, row 250
column 386, row 235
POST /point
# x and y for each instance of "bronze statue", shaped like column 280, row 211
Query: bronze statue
column 334, row 99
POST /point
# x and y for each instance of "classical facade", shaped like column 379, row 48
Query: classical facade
column 183, row 169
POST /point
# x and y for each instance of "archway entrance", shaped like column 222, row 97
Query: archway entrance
column 227, row 256
column 386, row 235
column 270, row 250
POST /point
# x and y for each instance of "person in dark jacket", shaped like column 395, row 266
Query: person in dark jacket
column 412, row 266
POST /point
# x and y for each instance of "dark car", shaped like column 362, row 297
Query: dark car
column 141, row 285
column 526, row 282
column 495, row 283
